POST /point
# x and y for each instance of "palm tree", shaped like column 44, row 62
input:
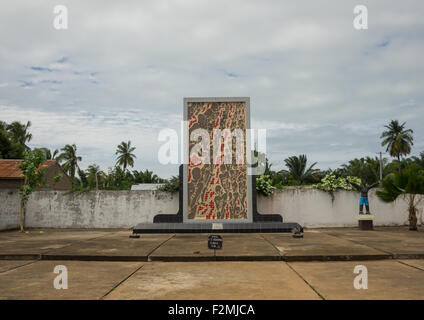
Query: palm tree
column 48, row 154
column 398, row 139
column 419, row 160
column 373, row 169
column 297, row 168
column 83, row 180
column 365, row 168
column 69, row 155
column 355, row 167
column 409, row 183
column 93, row 174
column 125, row 155
column 19, row 133
column 150, row 177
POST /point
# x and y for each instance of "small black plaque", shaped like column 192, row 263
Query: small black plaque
column 215, row 242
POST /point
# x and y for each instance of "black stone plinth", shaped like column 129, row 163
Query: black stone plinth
column 365, row 221
column 226, row 227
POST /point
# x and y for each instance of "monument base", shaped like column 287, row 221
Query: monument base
column 365, row 221
column 226, row 227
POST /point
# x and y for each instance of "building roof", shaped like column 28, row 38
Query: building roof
column 146, row 186
column 9, row 168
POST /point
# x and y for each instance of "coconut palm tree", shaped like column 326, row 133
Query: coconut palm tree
column 125, row 155
column 69, row 155
column 419, row 160
column 397, row 139
column 410, row 184
column 83, row 180
column 48, row 154
column 94, row 174
column 150, row 177
column 298, row 168
column 365, row 168
column 19, row 133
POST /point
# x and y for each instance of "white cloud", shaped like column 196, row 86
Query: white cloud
column 121, row 71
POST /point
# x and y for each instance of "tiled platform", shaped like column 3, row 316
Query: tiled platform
column 265, row 227
column 342, row 244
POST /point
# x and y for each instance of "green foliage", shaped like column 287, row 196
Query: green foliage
column 118, row 179
column 33, row 178
column 69, row 155
column 264, row 185
column 408, row 181
column 146, row 177
column 367, row 169
column 125, row 155
column 299, row 172
column 331, row 183
column 278, row 185
column 114, row 179
column 94, row 176
column 12, row 146
column 82, row 183
column 172, row 185
column 397, row 139
column 48, row 154
column 419, row 160
column 58, row 177
column 18, row 133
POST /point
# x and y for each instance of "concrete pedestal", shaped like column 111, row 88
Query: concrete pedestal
column 365, row 221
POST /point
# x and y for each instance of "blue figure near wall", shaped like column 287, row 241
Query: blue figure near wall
column 363, row 188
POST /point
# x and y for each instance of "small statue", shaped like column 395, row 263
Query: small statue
column 363, row 188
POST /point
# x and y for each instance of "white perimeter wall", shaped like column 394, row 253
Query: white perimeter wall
column 124, row 209
column 314, row 209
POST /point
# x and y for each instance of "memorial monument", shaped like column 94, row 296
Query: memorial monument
column 217, row 188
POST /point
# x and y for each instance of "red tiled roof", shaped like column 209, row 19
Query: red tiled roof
column 9, row 168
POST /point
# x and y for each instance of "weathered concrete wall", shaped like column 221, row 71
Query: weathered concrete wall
column 313, row 208
column 101, row 209
column 124, row 209
column 9, row 209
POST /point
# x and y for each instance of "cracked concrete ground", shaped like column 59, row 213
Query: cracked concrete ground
column 276, row 280
column 107, row 264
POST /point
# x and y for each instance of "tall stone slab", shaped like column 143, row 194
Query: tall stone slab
column 217, row 191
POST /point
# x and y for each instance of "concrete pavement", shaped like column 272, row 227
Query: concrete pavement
column 387, row 279
column 214, row 280
column 86, row 280
column 344, row 244
column 107, row 264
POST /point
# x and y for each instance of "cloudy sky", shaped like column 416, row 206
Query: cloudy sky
column 121, row 69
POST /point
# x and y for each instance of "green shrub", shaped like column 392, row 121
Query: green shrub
column 172, row 185
column 330, row 183
column 264, row 185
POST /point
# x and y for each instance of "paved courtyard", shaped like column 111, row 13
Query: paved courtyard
column 107, row 264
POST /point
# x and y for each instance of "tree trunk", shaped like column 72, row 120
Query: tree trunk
column 21, row 217
column 412, row 213
column 97, row 183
